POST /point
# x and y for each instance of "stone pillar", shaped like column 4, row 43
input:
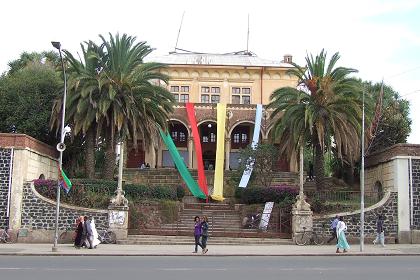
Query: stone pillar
column 301, row 212
column 118, row 220
column 190, row 152
column 301, row 216
column 159, row 156
column 227, row 153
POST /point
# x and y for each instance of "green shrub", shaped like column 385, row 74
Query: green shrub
column 169, row 211
column 283, row 194
column 180, row 192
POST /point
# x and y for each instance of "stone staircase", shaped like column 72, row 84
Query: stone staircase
column 189, row 240
column 225, row 227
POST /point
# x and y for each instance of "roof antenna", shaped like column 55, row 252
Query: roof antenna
column 247, row 38
column 179, row 32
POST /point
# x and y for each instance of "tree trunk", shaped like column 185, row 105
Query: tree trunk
column 90, row 153
column 319, row 166
column 109, row 164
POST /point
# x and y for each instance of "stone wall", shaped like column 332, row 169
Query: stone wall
column 387, row 207
column 416, row 193
column 38, row 213
column 5, row 155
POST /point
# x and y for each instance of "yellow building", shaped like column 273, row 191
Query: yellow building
column 241, row 80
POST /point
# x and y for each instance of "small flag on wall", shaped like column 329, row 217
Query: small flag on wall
column 64, row 181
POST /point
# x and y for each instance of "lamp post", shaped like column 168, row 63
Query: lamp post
column 362, row 181
column 60, row 146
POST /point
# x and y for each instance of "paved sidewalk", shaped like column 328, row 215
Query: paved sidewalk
column 216, row 250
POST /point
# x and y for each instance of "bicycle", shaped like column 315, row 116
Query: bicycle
column 5, row 236
column 310, row 236
column 67, row 236
column 107, row 236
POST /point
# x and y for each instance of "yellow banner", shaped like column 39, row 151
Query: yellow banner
column 220, row 153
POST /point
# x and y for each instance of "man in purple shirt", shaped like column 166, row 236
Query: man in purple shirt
column 333, row 229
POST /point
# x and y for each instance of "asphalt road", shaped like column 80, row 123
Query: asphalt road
column 208, row 267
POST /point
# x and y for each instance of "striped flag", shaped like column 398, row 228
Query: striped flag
column 64, row 181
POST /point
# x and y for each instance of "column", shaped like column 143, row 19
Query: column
column 190, row 152
column 227, row 153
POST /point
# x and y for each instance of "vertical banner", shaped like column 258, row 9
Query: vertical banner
column 202, row 182
column 265, row 218
column 250, row 163
column 220, row 153
column 179, row 163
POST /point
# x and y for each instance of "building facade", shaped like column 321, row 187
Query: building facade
column 240, row 80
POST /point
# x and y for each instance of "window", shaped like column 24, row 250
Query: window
column 212, row 137
column 215, row 90
column 174, row 135
column 212, row 94
column 236, row 138
column 241, row 95
column 215, row 98
column 244, row 138
column 184, row 98
column 236, row 99
column 205, row 98
column 178, row 134
column 181, row 136
column 174, row 89
column 205, row 139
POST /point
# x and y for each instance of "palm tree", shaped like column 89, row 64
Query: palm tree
column 113, row 92
column 133, row 103
column 324, row 110
column 84, row 88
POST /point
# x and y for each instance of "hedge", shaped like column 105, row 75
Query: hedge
column 281, row 194
column 97, row 193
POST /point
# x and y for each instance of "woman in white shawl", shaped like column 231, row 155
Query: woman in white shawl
column 95, row 241
column 341, row 236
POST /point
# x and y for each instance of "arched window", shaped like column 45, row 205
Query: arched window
column 178, row 133
column 240, row 137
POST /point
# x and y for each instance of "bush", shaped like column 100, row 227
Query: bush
column 180, row 192
column 97, row 193
column 283, row 194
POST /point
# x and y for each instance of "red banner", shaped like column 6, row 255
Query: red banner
column 202, row 182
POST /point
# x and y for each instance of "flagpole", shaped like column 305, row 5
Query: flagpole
column 60, row 147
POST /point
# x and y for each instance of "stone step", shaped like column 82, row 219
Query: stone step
column 210, row 241
column 224, row 234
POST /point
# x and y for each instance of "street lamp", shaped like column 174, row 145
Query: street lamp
column 60, row 146
column 362, row 181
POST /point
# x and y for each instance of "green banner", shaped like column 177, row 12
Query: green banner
column 180, row 165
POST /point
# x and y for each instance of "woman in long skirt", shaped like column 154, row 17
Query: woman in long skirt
column 341, row 236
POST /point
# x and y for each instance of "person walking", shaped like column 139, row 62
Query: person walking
column 197, row 233
column 89, row 233
column 204, row 233
column 95, row 239
column 380, row 234
column 78, row 241
column 341, row 236
column 333, row 229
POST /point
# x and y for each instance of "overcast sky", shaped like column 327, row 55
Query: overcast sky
column 379, row 38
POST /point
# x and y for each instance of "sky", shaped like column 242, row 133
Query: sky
column 380, row 38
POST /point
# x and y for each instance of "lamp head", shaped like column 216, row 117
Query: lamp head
column 56, row 45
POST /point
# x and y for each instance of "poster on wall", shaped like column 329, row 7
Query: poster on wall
column 265, row 218
column 117, row 217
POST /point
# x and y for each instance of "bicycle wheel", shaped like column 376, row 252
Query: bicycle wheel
column 301, row 238
column 63, row 237
column 112, row 237
column 318, row 239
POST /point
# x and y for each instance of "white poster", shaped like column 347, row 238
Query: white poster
column 265, row 218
